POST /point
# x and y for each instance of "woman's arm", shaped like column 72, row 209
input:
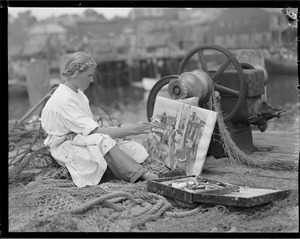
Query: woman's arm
column 133, row 129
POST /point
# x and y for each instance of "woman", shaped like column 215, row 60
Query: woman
column 76, row 140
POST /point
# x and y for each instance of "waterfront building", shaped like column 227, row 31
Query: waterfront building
column 247, row 28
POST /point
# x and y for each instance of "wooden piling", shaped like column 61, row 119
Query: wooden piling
column 38, row 82
column 62, row 60
column 255, row 58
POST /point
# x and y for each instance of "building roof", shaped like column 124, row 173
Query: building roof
column 47, row 28
column 103, row 28
column 239, row 21
column 34, row 46
column 158, row 40
column 203, row 15
column 152, row 13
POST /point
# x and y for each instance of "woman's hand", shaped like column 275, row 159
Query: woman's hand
column 127, row 130
column 141, row 127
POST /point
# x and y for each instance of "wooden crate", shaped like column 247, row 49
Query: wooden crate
column 158, row 186
column 245, row 197
column 231, row 195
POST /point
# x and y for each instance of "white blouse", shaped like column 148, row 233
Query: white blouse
column 68, row 112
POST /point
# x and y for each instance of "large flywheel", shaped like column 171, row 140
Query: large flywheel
column 154, row 91
column 199, row 52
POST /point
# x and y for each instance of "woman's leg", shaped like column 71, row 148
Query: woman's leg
column 126, row 168
column 134, row 149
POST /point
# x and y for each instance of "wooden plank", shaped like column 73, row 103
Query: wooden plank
column 174, row 193
column 159, row 186
column 246, row 197
column 272, row 145
column 231, row 195
column 38, row 83
column 62, row 61
column 254, row 57
column 277, row 144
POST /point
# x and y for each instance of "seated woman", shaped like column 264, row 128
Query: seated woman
column 76, row 140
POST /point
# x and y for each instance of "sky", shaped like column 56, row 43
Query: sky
column 42, row 13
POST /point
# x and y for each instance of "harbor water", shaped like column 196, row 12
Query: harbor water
column 129, row 104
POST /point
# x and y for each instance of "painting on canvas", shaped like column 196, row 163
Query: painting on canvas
column 180, row 134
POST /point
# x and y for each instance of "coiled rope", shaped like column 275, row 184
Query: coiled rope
column 86, row 206
column 152, row 217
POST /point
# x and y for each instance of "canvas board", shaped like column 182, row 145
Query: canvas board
column 180, row 134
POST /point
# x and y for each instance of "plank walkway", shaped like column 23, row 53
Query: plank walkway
column 278, row 144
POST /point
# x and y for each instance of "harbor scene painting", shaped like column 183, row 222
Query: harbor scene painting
column 199, row 108
column 181, row 134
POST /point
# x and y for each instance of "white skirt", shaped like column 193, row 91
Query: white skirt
column 83, row 155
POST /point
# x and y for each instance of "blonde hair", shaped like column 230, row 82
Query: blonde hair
column 77, row 62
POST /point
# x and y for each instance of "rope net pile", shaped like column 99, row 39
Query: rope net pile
column 57, row 205
column 28, row 156
column 43, row 198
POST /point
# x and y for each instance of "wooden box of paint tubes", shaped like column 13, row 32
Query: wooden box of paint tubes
column 197, row 189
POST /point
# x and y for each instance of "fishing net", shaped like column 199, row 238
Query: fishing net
column 43, row 198
column 52, row 203
column 236, row 157
column 28, row 156
column 275, row 217
column 56, row 205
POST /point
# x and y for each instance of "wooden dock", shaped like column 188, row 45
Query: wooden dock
column 278, row 144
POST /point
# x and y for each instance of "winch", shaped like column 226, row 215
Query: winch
column 238, row 85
